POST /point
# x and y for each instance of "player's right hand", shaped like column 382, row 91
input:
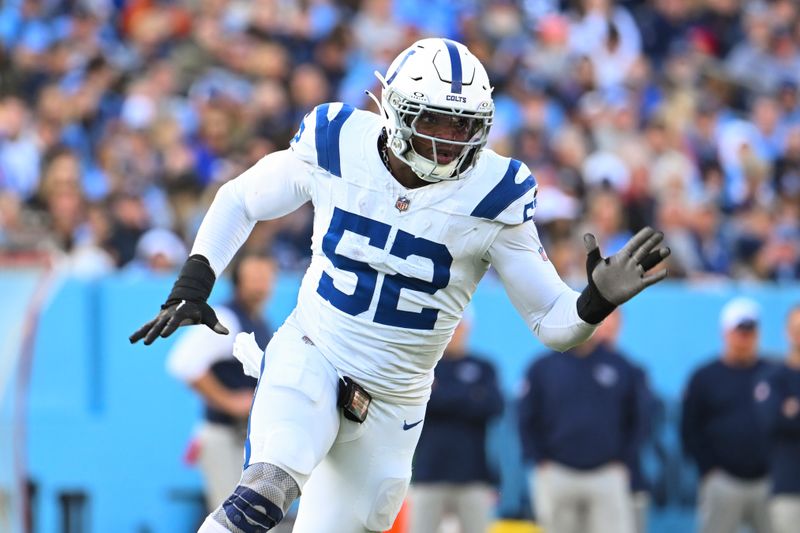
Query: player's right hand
column 174, row 314
column 185, row 305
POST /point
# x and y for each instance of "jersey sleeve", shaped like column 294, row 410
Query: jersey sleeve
column 512, row 199
column 317, row 142
column 276, row 185
column 545, row 302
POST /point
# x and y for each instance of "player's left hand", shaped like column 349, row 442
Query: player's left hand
column 622, row 276
column 616, row 279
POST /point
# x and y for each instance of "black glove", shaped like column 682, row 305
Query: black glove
column 186, row 304
column 616, row 279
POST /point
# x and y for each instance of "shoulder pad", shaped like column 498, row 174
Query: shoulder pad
column 511, row 196
column 317, row 140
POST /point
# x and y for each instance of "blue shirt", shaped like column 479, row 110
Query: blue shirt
column 719, row 426
column 772, row 392
column 452, row 445
column 582, row 412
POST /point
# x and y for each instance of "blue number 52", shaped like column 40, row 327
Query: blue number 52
column 404, row 246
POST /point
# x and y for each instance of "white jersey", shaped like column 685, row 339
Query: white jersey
column 392, row 268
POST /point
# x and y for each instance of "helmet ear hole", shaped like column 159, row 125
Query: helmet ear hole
column 398, row 145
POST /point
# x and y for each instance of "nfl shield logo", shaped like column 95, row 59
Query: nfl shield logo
column 402, row 204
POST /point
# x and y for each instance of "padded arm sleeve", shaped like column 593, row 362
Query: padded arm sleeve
column 278, row 184
column 543, row 300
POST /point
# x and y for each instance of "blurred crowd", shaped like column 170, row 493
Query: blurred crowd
column 119, row 119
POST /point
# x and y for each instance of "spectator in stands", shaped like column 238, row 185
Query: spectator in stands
column 549, row 56
column 779, row 258
column 606, row 218
column 60, row 197
column 582, row 417
column 711, row 257
column 451, row 472
column 594, row 21
column 787, row 167
column 663, row 24
column 204, row 360
column 720, row 429
column 20, row 153
column 746, row 62
column 158, row 251
column 778, row 398
column 129, row 221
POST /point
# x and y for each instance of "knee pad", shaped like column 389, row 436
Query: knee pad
column 387, row 503
column 259, row 502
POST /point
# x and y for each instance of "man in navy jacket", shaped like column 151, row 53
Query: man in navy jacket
column 451, row 473
column 720, row 429
column 582, row 416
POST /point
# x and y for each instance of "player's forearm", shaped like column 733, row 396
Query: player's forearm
column 544, row 301
column 560, row 328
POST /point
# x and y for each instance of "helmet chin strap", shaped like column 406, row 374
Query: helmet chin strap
column 432, row 176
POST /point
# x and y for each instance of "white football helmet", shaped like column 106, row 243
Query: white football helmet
column 437, row 81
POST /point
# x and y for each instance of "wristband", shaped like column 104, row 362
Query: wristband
column 194, row 283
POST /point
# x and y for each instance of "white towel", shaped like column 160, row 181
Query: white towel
column 246, row 350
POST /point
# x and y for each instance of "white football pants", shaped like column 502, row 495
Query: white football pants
column 353, row 477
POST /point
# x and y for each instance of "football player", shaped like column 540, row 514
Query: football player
column 410, row 210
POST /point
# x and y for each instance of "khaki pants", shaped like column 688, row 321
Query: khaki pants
column 582, row 501
column 471, row 504
column 727, row 503
column 641, row 508
column 220, row 460
column 784, row 513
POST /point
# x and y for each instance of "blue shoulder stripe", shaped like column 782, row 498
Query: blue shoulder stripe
column 327, row 137
column 504, row 193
